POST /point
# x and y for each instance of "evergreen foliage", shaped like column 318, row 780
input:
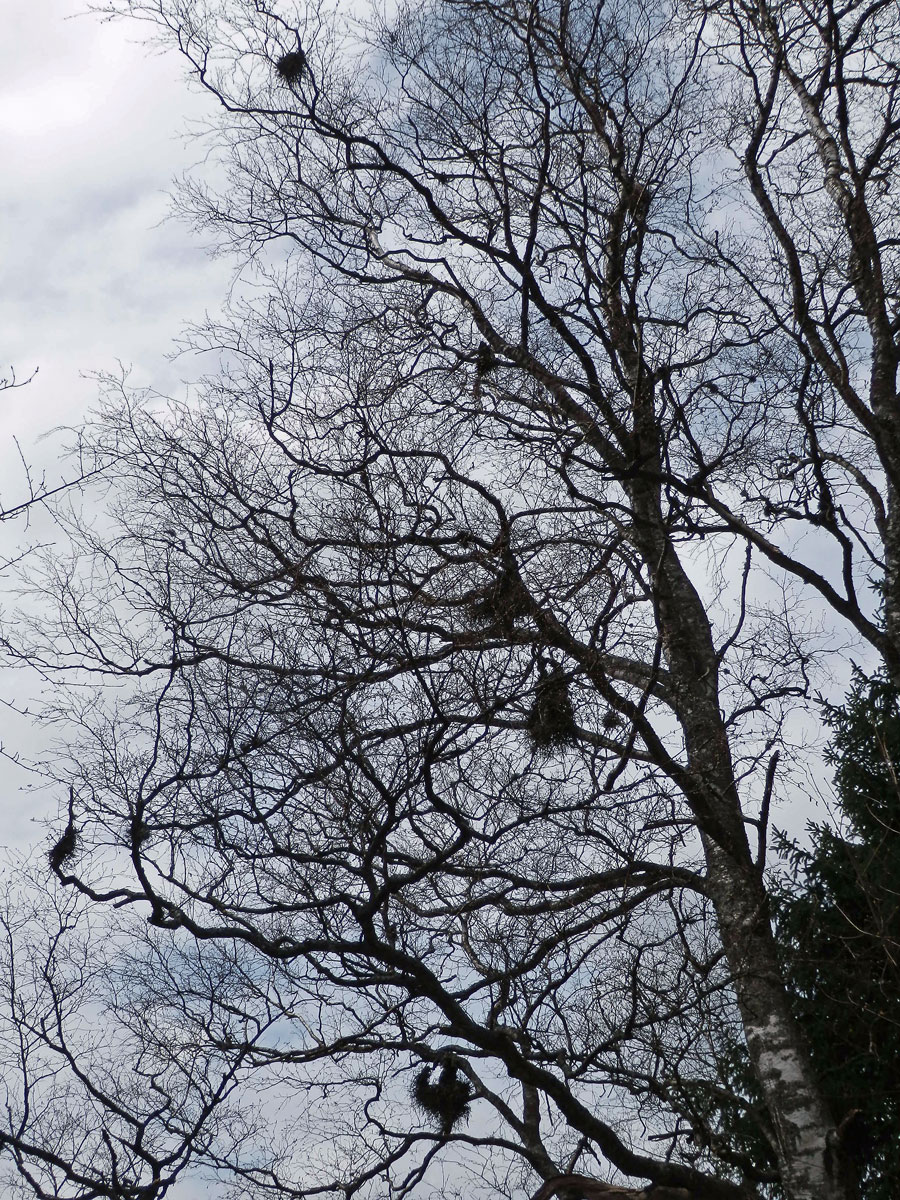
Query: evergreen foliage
column 838, row 922
column 837, row 917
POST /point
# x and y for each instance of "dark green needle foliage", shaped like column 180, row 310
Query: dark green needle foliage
column 839, row 927
column 837, row 917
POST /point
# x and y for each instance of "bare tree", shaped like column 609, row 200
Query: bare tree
column 352, row 720
column 109, row 1084
column 37, row 490
column 811, row 115
column 428, row 708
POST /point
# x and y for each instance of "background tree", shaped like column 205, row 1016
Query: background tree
column 839, row 926
column 110, row 1082
column 837, row 915
column 813, row 122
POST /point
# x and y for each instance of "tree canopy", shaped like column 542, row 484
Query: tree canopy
column 427, row 674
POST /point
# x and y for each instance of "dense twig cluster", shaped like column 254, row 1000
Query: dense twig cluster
column 445, row 1099
column 503, row 602
column 551, row 719
column 290, row 67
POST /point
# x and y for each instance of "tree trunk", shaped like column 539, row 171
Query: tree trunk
column 807, row 1145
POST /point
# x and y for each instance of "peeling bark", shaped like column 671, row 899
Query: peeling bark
column 808, row 1150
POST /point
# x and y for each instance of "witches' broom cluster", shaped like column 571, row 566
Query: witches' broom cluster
column 551, row 721
column 501, row 603
column 64, row 848
column 291, row 66
column 446, row 1099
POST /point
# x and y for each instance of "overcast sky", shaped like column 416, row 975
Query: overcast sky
column 92, row 132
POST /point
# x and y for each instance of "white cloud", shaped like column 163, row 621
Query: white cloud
column 90, row 125
column 92, row 132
